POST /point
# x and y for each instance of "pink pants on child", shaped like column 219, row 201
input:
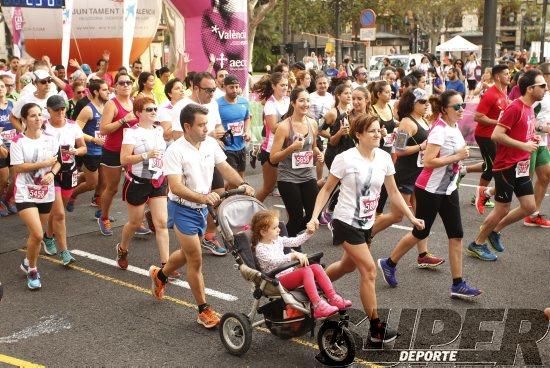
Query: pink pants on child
column 307, row 276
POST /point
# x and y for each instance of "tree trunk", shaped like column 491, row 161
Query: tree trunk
column 256, row 14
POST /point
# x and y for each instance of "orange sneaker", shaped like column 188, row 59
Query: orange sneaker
column 208, row 318
column 481, row 198
column 537, row 221
column 157, row 286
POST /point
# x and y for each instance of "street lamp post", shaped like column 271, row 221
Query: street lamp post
column 543, row 31
column 489, row 34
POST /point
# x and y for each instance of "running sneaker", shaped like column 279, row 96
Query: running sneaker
column 339, row 302
column 213, row 246
column 157, row 286
column 50, row 247
column 463, row 290
column 208, row 318
column 24, row 266
column 149, row 219
column 494, row 240
column 276, row 193
column 4, row 212
column 490, row 204
column 105, row 227
column 481, row 198
column 381, row 333
column 429, row 261
column 33, row 280
column 481, row 251
column 70, row 205
column 142, row 230
column 537, row 221
column 473, row 200
column 323, row 310
column 11, row 207
column 66, row 257
column 388, row 273
column 253, row 158
column 121, row 257
column 95, row 201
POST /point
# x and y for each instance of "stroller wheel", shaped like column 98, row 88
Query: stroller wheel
column 336, row 344
column 236, row 333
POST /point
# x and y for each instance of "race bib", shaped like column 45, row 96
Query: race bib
column 37, row 192
column 98, row 135
column 8, row 135
column 302, row 159
column 367, row 206
column 155, row 163
column 400, row 143
column 237, row 128
column 74, row 179
column 522, row 168
column 389, row 139
column 420, row 159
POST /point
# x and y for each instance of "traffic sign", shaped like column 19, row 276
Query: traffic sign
column 367, row 34
column 368, row 18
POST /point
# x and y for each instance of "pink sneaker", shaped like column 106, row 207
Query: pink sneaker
column 339, row 302
column 323, row 309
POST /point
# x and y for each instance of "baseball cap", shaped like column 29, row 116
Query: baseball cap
column 56, row 102
column 86, row 69
column 230, row 79
column 420, row 94
column 40, row 74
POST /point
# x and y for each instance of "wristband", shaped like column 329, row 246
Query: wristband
column 51, row 172
column 122, row 122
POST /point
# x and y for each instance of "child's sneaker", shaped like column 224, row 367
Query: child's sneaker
column 322, row 309
column 339, row 302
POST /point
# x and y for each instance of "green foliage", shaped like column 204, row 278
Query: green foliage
column 268, row 34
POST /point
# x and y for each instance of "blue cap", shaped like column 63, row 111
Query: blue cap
column 86, row 69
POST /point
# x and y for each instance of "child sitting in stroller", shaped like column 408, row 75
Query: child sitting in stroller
column 268, row 247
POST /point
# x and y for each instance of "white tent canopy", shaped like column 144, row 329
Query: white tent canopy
column 457, row 43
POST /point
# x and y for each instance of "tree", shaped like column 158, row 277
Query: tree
column 432, row 16
column 257, row 11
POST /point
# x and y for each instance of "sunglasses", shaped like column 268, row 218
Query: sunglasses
column 8, row 85
column 208, row 90
column 422, row 102
column 80, row 92
column 458, row 106
column 541, row 85
column 124, row 83
column 151, row 109
column 45, row 81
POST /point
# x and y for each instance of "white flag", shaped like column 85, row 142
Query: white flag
column 128, row 26
column 67, row 15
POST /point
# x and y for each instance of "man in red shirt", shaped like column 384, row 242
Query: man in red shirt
column 493, row 102
column 516, row 140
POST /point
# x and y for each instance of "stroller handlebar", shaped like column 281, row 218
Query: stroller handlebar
column 313, row 258
column 224, row 195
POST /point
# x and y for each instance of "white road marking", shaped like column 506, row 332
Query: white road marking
column 48, row 325
column 141, row 271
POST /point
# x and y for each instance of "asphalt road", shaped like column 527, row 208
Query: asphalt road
column 93, row 314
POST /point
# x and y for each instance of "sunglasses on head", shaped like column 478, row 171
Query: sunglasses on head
column 458, row 106
column 151, row 109
column 541, row 85
column 124, row 83
column 45, row 81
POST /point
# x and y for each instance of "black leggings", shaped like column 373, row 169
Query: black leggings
column 428, row 205
column 297, row 199
column 488, row 151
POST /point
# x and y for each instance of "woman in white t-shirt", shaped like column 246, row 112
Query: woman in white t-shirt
column 361, row 171
column 274, row 93
column 436, row 193
column 142, row 149
column 34, row 159
column 70, row 141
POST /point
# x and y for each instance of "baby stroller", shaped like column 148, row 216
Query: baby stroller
column 285, row 313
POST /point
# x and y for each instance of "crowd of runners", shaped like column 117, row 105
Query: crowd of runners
column 342, row 152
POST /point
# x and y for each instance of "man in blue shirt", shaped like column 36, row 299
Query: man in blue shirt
column 235, row 116
column 455, row 83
